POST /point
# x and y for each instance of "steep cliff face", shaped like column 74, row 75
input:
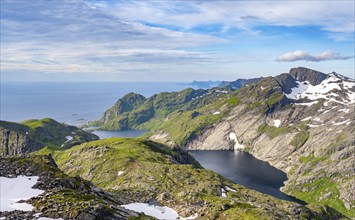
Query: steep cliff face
column 33, row 135
column 301, row 123
column 15, row 142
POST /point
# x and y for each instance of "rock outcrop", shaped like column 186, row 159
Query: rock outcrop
column 33, row 135
column 15, row 143
column 64, row 197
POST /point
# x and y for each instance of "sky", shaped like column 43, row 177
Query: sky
column 171, row 40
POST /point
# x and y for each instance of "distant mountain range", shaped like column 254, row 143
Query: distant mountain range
column 233, row 85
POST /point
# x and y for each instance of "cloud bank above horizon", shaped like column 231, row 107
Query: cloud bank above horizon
column 304, row 55
column 75, row 40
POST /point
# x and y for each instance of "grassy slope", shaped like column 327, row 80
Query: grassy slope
column 151, row 170
column 49, row 133
column 152, row 113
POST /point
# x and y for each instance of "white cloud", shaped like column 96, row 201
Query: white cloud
column 331, row 16
column 156, row 37
column 68, row 37
column 304, row 55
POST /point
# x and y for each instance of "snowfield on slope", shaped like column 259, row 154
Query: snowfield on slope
column 326, row 90
column 159, row 212
column 13, row 190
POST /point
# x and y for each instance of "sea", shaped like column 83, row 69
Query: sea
column 73, row 103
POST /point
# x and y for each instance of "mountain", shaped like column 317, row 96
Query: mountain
column 234, row 85
column 33, row 135
column 62, row 196
column 301, row 122
column 203, row 84
column 133, row 111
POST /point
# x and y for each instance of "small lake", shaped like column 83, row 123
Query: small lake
column 244, row 169
column 123, row 134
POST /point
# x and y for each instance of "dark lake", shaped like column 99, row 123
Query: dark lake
column 244, row 169
column 123, row 134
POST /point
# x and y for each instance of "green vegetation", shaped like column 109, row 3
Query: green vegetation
column 48, row 132
column 273, row 131
column 253, row 105
column 184, row 126
column 53, row 133
column 150, row 113
column 64, row 197
column 233, row 101
column 312, row 159
column 138, row 170
column 322, row 191
column 19, row 128
column 300, row 139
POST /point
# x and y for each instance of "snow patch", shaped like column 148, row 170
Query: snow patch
column 223, row 194
column 326, row 111
column 306, row 119
column 342, row 122
column 296, row 92
column 13, row 190
column 221, row 91
column 69, row 138
column 230, row 189
column 217, row 113
column 346, row 110
column 307, row 103
column 325, row 90
column 317, row 119
column 277, row 123
column 159, row 212
column 237, row 145
column 46, row 218
column 313, row 126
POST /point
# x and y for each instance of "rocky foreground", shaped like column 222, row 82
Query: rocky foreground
column 64, row 197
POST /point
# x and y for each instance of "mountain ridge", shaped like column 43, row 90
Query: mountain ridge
column 294, row 121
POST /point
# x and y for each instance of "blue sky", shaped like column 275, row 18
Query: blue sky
column 88, row 40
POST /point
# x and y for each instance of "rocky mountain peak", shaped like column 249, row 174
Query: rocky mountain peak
column 304, row 74
column 334, row 88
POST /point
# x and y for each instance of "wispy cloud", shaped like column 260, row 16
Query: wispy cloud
column 157, row 39
column 68, row 36
column 332, row 16
column 304, row 55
